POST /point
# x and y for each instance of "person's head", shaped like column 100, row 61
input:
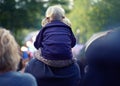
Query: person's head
column 55, row 12
column 9, row 53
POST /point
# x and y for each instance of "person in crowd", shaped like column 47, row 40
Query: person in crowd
column 23, row 62
column 58, row 30
column 80, row 57
column 102, row 54
column 53, row 64
column 9, row 59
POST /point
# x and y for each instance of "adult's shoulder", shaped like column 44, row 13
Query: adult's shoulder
column 27, row 79
column 20, row 79
column 34, row 64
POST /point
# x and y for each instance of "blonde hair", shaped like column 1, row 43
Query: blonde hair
column 55, row 12
column 44, row 22
column 67, row 21
column 9, row 53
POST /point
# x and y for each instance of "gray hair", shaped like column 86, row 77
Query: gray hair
column 9, row 53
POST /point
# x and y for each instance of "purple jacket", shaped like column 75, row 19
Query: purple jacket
column 55, row 40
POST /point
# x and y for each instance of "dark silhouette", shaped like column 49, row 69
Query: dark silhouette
column 102, row 54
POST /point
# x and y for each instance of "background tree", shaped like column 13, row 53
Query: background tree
column 17, row 15
column 91, row 16
column 87, row 16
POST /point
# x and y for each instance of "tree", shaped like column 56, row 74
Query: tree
column 24, row 13
column 80, row 19
column 107, row 12
column 19, row 14
column 91, row 16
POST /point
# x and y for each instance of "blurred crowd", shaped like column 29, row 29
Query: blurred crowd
column 54, row 58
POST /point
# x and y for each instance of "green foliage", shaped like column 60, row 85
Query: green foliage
column 20, row 34
column 107, row 12
column 19, row 14
column 91, row 16
column 87, row 16
column 24, row 13
column 80, row 19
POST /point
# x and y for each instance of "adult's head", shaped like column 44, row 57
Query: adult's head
column 103, row 58
column 9, row 53
column 104, row 46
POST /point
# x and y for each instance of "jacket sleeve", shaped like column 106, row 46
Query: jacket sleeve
column 73, row 40
column 38, row 41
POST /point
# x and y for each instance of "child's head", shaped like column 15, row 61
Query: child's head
column 55, row 12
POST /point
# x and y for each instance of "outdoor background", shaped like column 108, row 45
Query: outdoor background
column 22, row 17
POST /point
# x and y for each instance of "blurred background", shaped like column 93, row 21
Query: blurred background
column 23, row 17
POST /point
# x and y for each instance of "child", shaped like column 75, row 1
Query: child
column 53, row 64
column 56, row 39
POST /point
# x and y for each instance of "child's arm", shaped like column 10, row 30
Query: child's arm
column 73, row 40
column 37, row 43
